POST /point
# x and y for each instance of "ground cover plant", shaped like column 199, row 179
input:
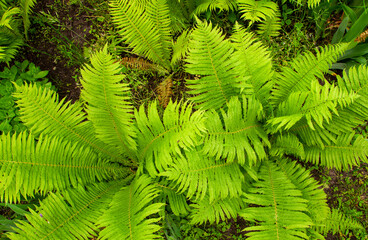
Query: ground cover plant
column 240, row 148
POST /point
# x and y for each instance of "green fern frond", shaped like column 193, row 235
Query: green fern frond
column 179, row 129
column 255, row 62
column 48, row 165
column 7, row 17
column 67, row 215
column 178, row 202
column 212, row 5
column 198, row 176
column 348, row 151
column 205, row 211
column 107, row 98
column 280, row 208
column 311, row 3
column 179, row 16
column 9, row 48
column 303, row 70
column 317, row 106
column 271, row 26
column 41, row 112
column 159, row 13
column 127, row 217
column 287, row 144
column 310, row 188
column 26, row 6
column 210, row 55
column 257, row 10
column 180, row 47
column 337, row 222
column 138, row 29
column 237, row 134
column 355, row 79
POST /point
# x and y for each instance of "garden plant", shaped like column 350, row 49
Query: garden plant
column 241, row 146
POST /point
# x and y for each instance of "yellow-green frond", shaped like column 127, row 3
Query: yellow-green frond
column 67, row 215
column 131, row 212
column 198, row 176
column 107, row 101
column 138, row 29
column 210, row 56
column 237, row 133
column 179, row 129
column 28, row 167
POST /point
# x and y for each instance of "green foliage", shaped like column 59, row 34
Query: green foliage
column 10, row 35
column 110, row 169
column 18, row 74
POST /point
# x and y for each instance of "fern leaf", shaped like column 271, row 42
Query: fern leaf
column 310, row 188
column 48, row 165
column 8, row 50
column 303, row 70
column 200, row 175
column 139, row 30
column 337, row 222
column 107, row 99
column 127, row 217
column 255, row 62
column 287, row 144
column 316, row 106
column 26, row 6
column 67, row 215
column 210, row 55
column 177, row 202
column 180, row 47
column 257, row 10
column 279, row 207
column 205, row 211
column 239, row 135
column 271, row 26
column 212, row 5
column 41, row 112
column 178, row 130
column 179, row 16
column 355, row 79
column 348, row 151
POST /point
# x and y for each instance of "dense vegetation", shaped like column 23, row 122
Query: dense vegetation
column 190, row 119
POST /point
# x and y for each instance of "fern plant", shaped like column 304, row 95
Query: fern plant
column 11, row 37
column 108, row 170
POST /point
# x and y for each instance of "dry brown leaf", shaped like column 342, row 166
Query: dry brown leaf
column 164, row 91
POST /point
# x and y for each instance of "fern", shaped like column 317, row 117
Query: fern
column 280, row 207
column 240, row 136
column 140, row 31
column 105, row 75
column 67, row 215
column 26, row 6
column 195, row 174
column 257, row 10
column 106, row 170
column 209, row 55
column 303, row 70
column 179, row 129
column 130, row 207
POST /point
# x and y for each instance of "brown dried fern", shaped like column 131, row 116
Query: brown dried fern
column 362, row 36
column 164, row 91
column 141, row 64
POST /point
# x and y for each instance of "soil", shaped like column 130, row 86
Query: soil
column 42, row 48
